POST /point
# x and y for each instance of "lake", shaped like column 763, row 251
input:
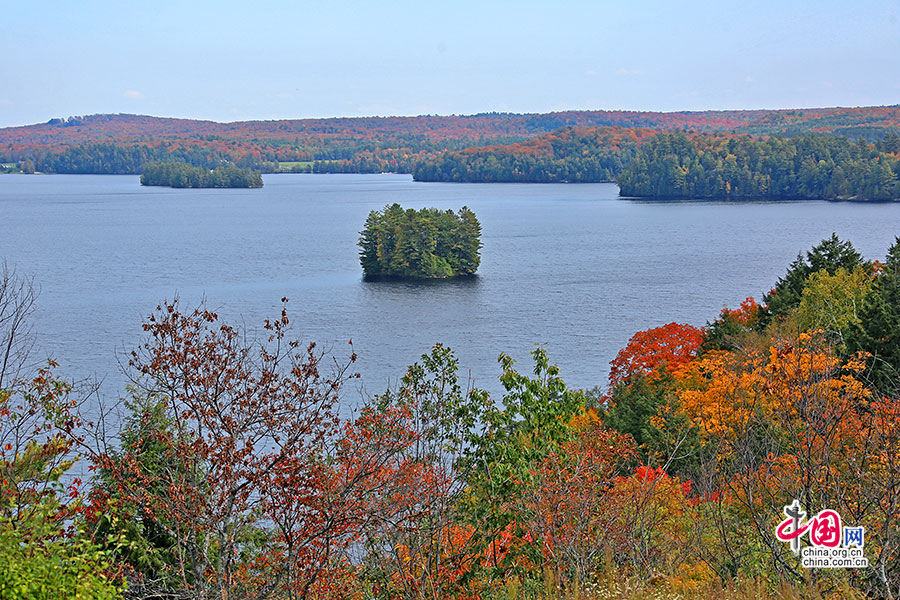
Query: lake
column 573, row 267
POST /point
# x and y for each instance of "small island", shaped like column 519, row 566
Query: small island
column 178, row 174
column 400, row 243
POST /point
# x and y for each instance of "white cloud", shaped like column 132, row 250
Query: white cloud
column 5, row 102
column 133, row 95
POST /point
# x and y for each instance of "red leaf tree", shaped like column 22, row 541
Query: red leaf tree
column 655, row 350
column 243, row 484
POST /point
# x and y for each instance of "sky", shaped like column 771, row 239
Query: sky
column 234, row 61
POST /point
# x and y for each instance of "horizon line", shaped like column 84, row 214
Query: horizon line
column 458, row 115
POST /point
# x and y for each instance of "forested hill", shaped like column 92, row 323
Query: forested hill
column 128, row 128
column 701, row 165
column 122, row 143
column 570, row 154
column 649, row 163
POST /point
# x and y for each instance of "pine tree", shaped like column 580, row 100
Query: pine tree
column 829, row 255
column 427, row 243
column 879, row 330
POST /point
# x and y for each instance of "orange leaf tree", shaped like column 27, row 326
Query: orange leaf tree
column 658, row 349
column 641, row 381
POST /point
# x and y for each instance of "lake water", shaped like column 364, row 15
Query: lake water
column 572, row 267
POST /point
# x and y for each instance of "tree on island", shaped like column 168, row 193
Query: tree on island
column 427, row 243
column 179, row 174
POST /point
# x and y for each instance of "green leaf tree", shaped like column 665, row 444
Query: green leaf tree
column 532, row 421
column 829, row 255
column 832, row 301
column 45, row 550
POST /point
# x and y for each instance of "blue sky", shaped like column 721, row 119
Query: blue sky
column 229, row 61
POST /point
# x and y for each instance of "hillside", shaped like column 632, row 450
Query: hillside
column 127, row 128
column 570, row 154
column 122, row 143
column 659, row 164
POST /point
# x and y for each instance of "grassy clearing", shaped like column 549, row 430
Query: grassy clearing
column 288, row 165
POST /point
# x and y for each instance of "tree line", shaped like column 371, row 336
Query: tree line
column 572, row 154
column 122, row 159
column 645, row 163
column 681, row 165
column 324, row 156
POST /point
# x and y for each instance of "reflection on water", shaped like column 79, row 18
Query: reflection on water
column 393, row 284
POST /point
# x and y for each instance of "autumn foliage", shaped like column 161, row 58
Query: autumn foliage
column 655, row 351
column 122, row 143
column 235, row 474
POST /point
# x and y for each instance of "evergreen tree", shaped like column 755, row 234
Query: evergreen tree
column 179, row 174
column 829, row 255
column 427, row 243
column 878, row 332
column 674, row 165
